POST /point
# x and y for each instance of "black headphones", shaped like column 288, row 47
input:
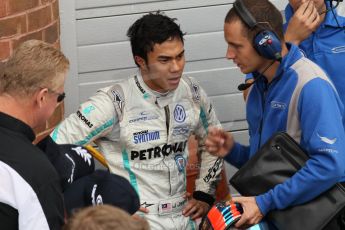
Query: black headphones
column 265, row 42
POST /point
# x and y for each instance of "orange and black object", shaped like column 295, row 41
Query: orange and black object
column 222, row 216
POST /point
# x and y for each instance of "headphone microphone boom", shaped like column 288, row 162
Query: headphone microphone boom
column 245, row 86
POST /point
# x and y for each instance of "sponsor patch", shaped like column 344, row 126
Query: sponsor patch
column 145, row 94
column 196, row 91
column 70, row 179
column 180, row 131
column 143, row 116
column 83, row 153
column 278, row 105
column 96, row 200
column 88, row 110
column 118, row 99
column 180, row 162
column 145, row 136
column 84, row 119
column 212, row 171
column 339, row 49
column 179, row 113
column 159, row 151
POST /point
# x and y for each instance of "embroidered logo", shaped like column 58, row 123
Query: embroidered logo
column 83, row 153
column 179, row 113
column 88, row 110
column 327, row 140
column 98, row 200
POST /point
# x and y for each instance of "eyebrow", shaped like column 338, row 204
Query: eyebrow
column 170, row 57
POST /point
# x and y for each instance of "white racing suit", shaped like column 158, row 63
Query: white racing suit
column 144, row 137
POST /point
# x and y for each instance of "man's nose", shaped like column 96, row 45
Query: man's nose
column 230, row 54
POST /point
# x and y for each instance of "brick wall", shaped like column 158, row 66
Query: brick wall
column 21, row 20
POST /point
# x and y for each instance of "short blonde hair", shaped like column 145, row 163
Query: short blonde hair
column 104, row 217
column 34, row 64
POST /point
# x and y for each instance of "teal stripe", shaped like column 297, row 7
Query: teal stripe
column 203, row 119
column 55, row 132
column 96, row 132
column 132, row 177
column 192, row 224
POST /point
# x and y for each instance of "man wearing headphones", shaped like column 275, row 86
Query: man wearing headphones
column 318, row 28
column 290, row 93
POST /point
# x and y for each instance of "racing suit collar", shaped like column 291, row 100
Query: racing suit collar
column 159, row 99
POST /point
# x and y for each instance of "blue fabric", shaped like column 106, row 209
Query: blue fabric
column 326, row 47
column 320, row 113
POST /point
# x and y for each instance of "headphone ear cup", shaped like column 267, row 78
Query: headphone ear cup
column 268, row 45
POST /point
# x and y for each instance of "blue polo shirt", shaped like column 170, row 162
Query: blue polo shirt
column 326, row 46
column 302, row 101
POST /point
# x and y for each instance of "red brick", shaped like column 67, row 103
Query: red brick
column 12, row 26
column 17, row 6
column 36, row 35
column 44, row 2
column 51, row 34
column 39, row 18
column 5, row 50
column 55, row 9
column 3, row 8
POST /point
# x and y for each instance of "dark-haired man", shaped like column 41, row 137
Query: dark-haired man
column 142, row 126
column 290, row 94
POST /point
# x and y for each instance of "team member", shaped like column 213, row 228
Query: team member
column 318, row 28
column 319, row 31
column 292, row 94
column 31, row 87
column 142, row 126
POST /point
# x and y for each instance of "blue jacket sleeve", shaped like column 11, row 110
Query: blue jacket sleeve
column 322, row 136
column 238, row 155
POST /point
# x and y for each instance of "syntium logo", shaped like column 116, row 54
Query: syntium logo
column 145, row 136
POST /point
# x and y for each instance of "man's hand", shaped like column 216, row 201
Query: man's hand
column 305, row 20
column 218, row 142
column 195, row 209
column 251, row 213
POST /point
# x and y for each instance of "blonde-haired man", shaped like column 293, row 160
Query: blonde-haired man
column 105, row 217
column 31, row 87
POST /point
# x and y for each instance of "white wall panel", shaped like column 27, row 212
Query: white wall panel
column 113, row 29
column 119, row 56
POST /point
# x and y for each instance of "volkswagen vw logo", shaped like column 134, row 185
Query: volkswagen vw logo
column 179, row 114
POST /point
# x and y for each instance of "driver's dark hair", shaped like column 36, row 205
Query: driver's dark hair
column 151, row 29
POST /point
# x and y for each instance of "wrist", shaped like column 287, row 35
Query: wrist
column 291, row 39
column 202, row 196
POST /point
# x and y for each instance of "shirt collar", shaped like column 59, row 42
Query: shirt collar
column 288, row 60
column 11, row 123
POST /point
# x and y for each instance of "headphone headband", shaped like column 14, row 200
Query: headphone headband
column 244, row 14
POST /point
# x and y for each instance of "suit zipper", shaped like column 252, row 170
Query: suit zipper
column 167, row 119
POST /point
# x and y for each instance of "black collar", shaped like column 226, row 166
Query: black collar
column 16, row 125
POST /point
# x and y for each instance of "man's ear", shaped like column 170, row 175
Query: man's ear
column 140, row 61
column 41, row 97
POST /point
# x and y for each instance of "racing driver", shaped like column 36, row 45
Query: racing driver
column 143, row 123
